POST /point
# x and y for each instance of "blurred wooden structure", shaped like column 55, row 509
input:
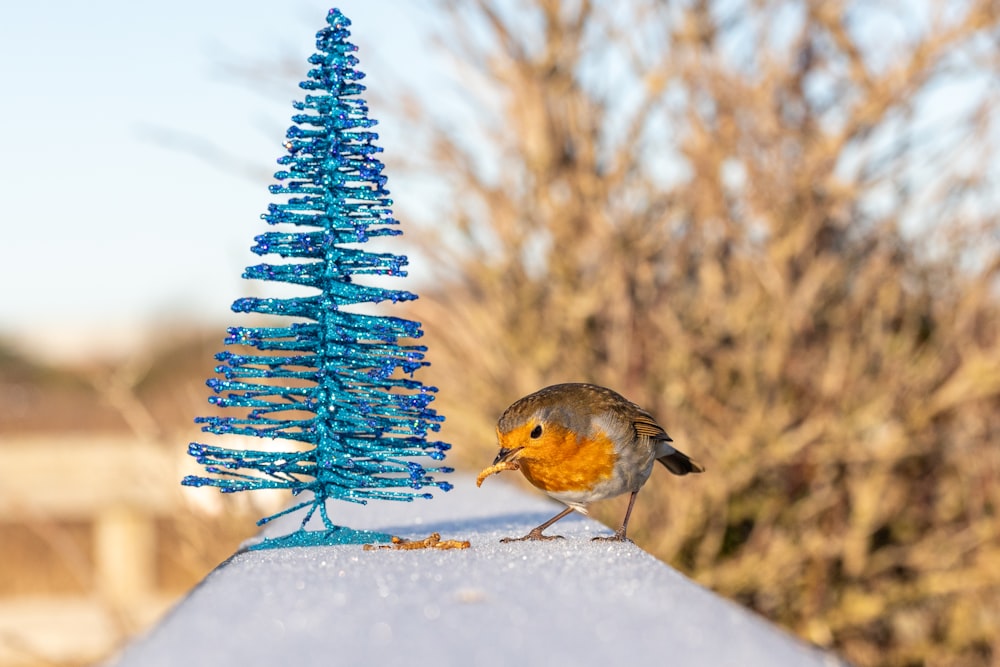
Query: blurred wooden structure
column 120, row 486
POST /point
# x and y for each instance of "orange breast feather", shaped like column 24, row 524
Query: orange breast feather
column 562, row 461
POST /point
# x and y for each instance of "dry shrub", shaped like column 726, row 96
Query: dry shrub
column 745, row 217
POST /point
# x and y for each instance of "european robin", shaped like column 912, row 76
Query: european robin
column 581, row 443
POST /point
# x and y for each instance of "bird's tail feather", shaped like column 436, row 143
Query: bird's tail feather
column 680, row 463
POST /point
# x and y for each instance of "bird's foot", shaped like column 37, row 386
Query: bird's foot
column 619, row 536
column 533, row 535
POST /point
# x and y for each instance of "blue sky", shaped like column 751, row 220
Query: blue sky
column 105, row 228
column 108, row 232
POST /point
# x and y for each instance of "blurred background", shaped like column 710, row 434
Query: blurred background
column 771, row 223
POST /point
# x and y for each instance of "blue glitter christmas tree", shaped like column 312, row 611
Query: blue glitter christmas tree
column 338, row 382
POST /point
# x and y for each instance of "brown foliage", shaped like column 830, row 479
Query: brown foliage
column 738, row 215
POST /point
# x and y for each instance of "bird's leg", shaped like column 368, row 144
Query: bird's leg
column 619, row 535
column 536, row 533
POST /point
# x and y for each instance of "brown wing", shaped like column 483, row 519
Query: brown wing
column 644, row 424
column 675, row 460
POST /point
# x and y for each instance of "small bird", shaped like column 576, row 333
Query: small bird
column 581, row 443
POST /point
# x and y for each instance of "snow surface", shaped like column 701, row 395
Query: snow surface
column 561, row 602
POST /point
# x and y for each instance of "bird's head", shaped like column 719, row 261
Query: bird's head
column 542, row 425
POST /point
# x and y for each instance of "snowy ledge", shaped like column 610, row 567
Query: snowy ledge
column 563, row 602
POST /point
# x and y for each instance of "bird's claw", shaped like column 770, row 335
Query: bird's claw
column 619, row 536
column 533, row 535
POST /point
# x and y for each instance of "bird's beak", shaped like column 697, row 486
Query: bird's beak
column 506, row 454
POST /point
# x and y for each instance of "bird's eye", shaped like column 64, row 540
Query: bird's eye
column 536, row 432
